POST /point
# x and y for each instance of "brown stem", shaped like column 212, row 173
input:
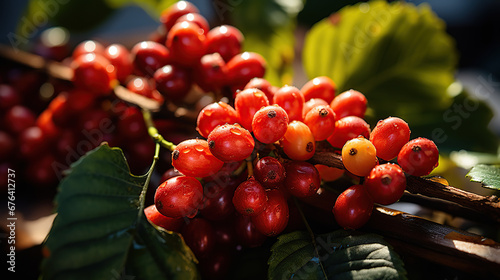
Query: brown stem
column 486, row 205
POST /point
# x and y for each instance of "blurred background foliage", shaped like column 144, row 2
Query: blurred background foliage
column 435, row 65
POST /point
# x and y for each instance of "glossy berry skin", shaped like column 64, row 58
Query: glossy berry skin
column 263, row 85
column 142, row 86
column 419, row 157
column 269, row 172
column 193, row 158
column 155, row 217
column 121, row 59
column 94, row 73
column 292, row 100
column 9, row 97
column 246, row 232
column 199, row 235
column 349, row 103
column 173, row 82
column 320, row 87
column 302, row 178
column 311, row 103
column 250, row 198
column 298, row 142
column 353, row 207
column 179, row 196
column 321, row 121
column 225, row 40
column 215, row 114
column 389, row 136
column 88, row 46
column 210, row 72
column 148, row 56
column 186, row 43
column 200, row 20
column 230, row 142
column 274, row 219
column 131, row 124
column 359, row 156
column 170, row 15
column 242, row 67
column 246, row 103
column 32, row 142
column 348, row 128
column 270, row 124
column 386, row 183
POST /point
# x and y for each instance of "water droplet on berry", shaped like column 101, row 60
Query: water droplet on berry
column 208, row 113
column 199, row 148
column 186, row 150
column 235, row 131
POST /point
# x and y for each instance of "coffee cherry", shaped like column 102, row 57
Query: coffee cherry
column 389, row 136
column 225, row 40
column 9, row 97
column 148, row 56
column 263, row 85
column 359, row 156
column 419, row 157
column 158, row 219
column 94, row 73
column 18, row 118
column 353, row 207
column 210, row 73
column 242, row 67
column 292, row 100
column 311, row 103
column 119, row 56
column 270, row 124
column 179, row 196
column 32, row 142
column 217, row 201
column 131, row 124
column 246, row 103
column 386, row 183
column 186, row 43
column 170, row 15
column 88, row 46
column 320, row 87
column 348, row 128
column 200, row 20
column 193, row 158
column 199, row 235
column 273, row 220
column 250, row 198
column 230, row 142
column 321, row 121
column 349, row 103
column 269, row 172
column 215, row 114
column 298, row 142
column 302, row 178
column 143, row 87
column 173, row 82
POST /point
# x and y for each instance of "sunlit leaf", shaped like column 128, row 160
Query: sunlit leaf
column 488, row 175
column 100, row 231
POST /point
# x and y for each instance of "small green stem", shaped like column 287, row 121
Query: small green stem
column 153, row 132
column 142, row 196
column 311, row 233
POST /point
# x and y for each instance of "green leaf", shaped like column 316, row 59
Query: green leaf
column 488, row 175
column 271, row 34
column 343, row 254
column 402, row 59
column 100, row 231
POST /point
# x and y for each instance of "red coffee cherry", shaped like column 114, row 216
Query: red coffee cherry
column 270, row 124
column 353, row 207
column 349, row 103
column 186, row 43
column 193, row 158
column 148, row 56
column 225, row 40
column 292, row 100
column 302, row 178
column 170, row 15
column 389, row 136
column 386, row 183
column 215, row 114
column 158, row 219
column 250, row 198
column 320, row 87
column 274, row 219
column 230, row 142
column 179, row 196
column 419, row 157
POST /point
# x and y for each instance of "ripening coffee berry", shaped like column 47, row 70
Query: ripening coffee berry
column 155, row 217
column 292, row 100
column 346, row 129
column 302, row 178
column 250, row 198
column 389, row 136
column 270, row 124
column 179, row 196
column 193, row 158
column 349, row 103
column 353, row 207
column 321, row 121
column 386, row 183
column 269, row 172
column 419, row 157
column 320, row 87
column 298, row 142
column 274, row 219
column 359, row 156
column 246, row 103
column 230, row 142
column 215, row 114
